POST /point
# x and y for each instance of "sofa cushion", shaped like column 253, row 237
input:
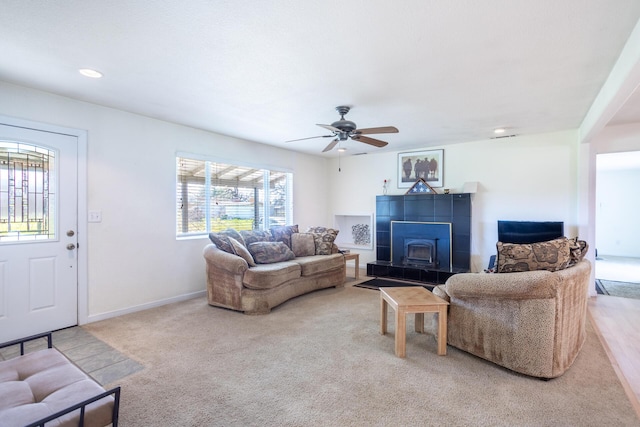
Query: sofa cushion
column 241, row 251
column 283, row 233
column 270, row 252
column 268, row 276
column 252, row 236
column 315, row 264
column 552, row 255
column 43, row 382
column 324, row 238
column 303, row 244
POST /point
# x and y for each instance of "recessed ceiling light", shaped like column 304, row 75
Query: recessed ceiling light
column 499, row 130
column 88, row 72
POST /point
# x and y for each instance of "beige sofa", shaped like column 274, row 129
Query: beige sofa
column 530, row 322
column 231, row 283
column 254, row 270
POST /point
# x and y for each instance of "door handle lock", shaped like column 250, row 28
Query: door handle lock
column 71, row 246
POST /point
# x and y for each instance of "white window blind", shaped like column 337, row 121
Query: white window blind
column 213, row 196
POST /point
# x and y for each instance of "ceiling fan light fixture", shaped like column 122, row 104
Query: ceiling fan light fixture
column 342, row 149
column 342, row 130
column 88, row 72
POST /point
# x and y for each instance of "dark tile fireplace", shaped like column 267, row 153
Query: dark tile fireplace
column 423, row 237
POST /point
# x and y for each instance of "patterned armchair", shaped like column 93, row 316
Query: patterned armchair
column 532, row 322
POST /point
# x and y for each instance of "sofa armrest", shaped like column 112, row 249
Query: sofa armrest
column 515, row 286
column 222, row 260
column 225, row 274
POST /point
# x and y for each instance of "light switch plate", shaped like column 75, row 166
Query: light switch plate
column 95, row 216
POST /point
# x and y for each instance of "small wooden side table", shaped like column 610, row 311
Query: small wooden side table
column 413, row 299
column 356, row 259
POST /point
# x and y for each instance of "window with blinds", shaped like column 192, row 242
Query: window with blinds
column 213, row 196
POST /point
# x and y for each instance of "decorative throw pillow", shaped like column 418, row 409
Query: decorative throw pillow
column 579, row 249
column 303, row 244
column 283, row 233
column 251, row 236
column 221, row 241
column 232, row 232
column 270, row 252
column 324, row 238
column 241, row 251
column 553, row 255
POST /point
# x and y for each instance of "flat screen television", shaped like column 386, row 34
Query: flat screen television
column 529, row 231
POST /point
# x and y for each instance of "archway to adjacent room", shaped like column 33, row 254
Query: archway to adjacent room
column 617, row 230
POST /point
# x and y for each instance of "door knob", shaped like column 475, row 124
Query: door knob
column 70, row 233
column 71, row 246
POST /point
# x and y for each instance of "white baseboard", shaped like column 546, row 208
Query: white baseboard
column 109, row 315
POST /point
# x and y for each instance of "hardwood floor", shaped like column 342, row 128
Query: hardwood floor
column 617, row 320
column 618, row 268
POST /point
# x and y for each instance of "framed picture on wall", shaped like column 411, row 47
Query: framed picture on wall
column 414, row 165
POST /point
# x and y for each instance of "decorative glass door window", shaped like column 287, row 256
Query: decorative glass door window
column 27, row 192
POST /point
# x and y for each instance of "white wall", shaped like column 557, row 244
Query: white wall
column 134, row 259
column 609, row 238
column 617, row 206
column 523, row 178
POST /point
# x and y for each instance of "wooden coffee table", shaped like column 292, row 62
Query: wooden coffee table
column 412, row 299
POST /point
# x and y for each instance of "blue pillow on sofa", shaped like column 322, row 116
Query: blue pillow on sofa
column 270, row 252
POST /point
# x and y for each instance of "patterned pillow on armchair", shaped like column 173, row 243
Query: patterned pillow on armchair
column 552, row 255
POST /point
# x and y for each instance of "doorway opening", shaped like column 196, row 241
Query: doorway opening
column 617, row 267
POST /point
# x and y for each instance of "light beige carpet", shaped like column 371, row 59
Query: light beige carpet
column 319, row 360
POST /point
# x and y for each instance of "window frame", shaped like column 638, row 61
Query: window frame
column 209, row 161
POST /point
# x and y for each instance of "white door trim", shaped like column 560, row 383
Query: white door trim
column 82, row 135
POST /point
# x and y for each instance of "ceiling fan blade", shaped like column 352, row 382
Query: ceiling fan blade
column 329, row 127
column 311, row 137
column 383, row 129
column 331, row 145
column 370, row 141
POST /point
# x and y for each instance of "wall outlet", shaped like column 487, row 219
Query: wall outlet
column 95, row 216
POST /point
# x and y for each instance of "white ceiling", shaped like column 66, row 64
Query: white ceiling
column 269, row 70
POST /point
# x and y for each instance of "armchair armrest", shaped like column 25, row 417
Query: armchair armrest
column 515, row 286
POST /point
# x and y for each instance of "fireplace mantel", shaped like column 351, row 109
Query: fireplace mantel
column 437, row 208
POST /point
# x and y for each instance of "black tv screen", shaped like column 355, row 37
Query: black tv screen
column 529, row 231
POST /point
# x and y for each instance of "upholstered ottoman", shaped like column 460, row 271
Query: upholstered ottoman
column 40, row 384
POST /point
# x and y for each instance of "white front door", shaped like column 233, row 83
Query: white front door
column 38, row 231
